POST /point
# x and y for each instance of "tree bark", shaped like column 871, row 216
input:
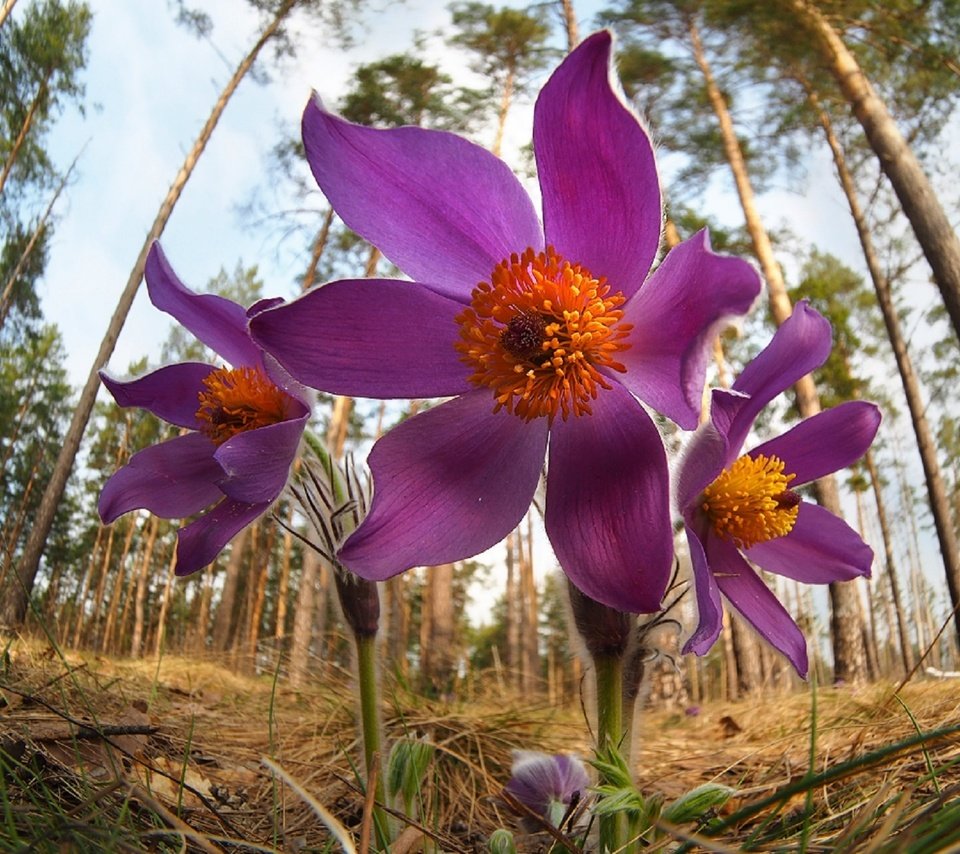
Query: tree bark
column 437, row 632
column 570, row 24
column 845, row 630
column 926, row 442
column 934, row 233
column 14, row 607
column 165, row 603
column 6, row 298
column 906, row 651
column 6, row 9
column 24, row 131
column 224, row 621
column 530, row 639
column 140, row 595
column 303, row 620
column 506, row 99
column 316, row 253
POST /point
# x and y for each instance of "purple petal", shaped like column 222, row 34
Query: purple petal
column 538, row 778
column 447, row 485
column 257, row 462
column 820, row 549
column 215, row 321
column 676, row 316
column 173, row 479
column 800, row 345
column 759, row 607
column 703, row 459
column 826, row 442
column 170, row 393
column 377, row 338
column 444, row 210
column 710, row 622
column 601, row 191
column 199, row 543
column 608, row 506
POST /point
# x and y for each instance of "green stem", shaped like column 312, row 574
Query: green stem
column 370, row 726
column 610, row 733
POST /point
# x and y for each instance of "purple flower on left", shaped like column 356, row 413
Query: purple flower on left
column 244, row 426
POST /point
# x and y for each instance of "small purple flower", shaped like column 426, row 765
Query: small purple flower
column 745, row 506
column 535, row 331
column 245, row 425
column 547, row 784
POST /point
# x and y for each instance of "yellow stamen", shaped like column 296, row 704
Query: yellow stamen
column 537, row 333
column 239, row 399
column 750, row 503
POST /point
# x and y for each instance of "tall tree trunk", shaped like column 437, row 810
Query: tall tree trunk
column 140, row 596
column 506, row 100
column 261, row 572
column 847, row 638
column 303, row 620
column 317, row 250
column 513, row 614
column 570, row 24
column 24, row 132
column 906, row 651
column 6, row 298
column 224, row 622
column 165, row 603
column 6, row 9
column 14, row 606
column 85, row 585
column 113, row 603
column 531, row 630
column 929, row 221
column 283, row 584
column 926, row 442
column 437, row 631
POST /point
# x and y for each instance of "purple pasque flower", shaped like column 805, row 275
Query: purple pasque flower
column 244, row 425
column 738, row 507
column 565, row 330
column 547, row 784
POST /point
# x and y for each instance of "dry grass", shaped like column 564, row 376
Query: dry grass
column 197, row 724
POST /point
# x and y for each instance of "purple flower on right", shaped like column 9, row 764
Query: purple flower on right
column 738, row 507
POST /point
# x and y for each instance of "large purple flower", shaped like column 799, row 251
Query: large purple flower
column 563, row 333
column 738, row 507
column 245, row 424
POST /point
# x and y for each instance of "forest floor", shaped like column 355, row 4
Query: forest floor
column 99, row 754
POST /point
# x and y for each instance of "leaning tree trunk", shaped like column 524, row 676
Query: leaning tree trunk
column 570, row 24
column 906, row 651
column 926, row 443
column 25, row 127
column 14, row 606
column 921, row 206
column 6, row 9
column 845, row 631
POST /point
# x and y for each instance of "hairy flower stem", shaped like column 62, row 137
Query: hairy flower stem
column 608, row 670
column 367, row 677
column 360, row 605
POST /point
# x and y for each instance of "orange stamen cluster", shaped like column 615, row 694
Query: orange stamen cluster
column 749, row 502
column 538, row 332
column 235, row 400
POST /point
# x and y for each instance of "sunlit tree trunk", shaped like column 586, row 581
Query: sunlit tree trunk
column 437, row 632
column 303, row 620
column 531, row 629
column 930, row 223
column 926, row 442
column 140, row 596
column 513, row 613
column 24, row 131
column 165, row 598
column 570, row 23
column 506, row 100
column 6, row 9
column 85, row 585
column 225, row 620
column 261, row 572
column 6, row 297
column 283, row 584
column 14, row 607
column 847, row 638
column 906, row 652
column 317, row 250
column 113, row 603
